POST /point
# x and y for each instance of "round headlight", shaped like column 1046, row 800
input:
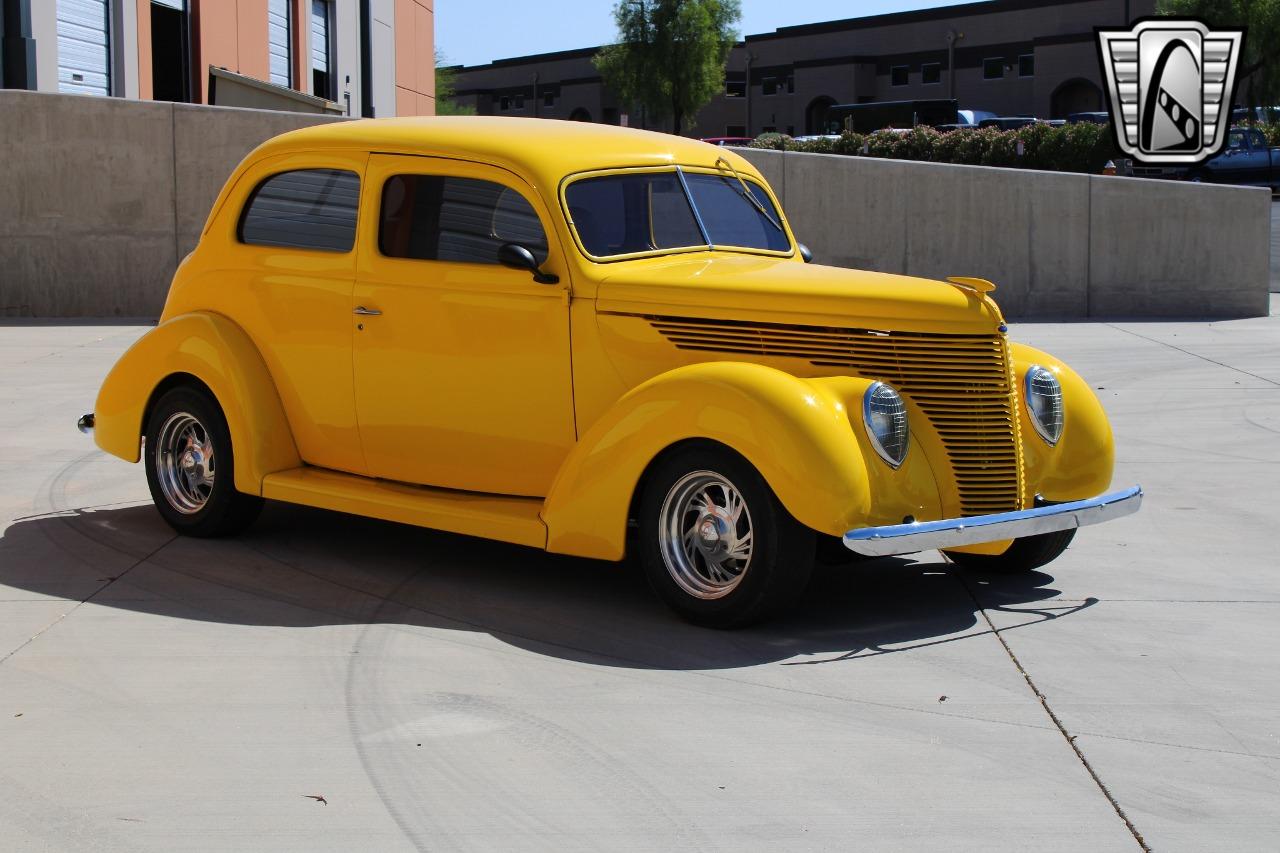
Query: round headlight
column 886, row 420
column 1044, row 403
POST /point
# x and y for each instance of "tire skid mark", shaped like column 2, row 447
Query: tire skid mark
column 371, row 705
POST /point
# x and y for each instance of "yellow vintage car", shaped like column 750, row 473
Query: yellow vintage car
column 591, row 340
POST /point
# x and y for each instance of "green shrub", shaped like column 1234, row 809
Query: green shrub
column 1070, row 148
column 772, row 141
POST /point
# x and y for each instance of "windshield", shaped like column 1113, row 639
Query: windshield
column 650, row 211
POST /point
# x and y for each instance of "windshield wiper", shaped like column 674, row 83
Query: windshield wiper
column 750, row 196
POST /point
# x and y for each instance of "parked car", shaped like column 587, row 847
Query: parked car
column 1009, row 122
column 595, row 341
column 1089, row 118
column 972, row 118
column 739, row 141
column 1247, row 159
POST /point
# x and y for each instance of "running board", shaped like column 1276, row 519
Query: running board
column 508, row 519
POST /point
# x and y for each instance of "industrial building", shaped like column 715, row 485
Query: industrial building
column 354, row 57
column 1011, row 57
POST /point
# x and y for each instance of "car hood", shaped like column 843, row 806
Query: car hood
column 781, row 290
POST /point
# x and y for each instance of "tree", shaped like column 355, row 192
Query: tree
column 670, row 54
column 446, row 91
column 1259, row 74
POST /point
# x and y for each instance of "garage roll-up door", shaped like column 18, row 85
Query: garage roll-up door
column 84, row 47
column 278, row 41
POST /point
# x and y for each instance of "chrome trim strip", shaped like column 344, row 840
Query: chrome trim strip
column 954, row 532
column 697, row 214
column 85, row 424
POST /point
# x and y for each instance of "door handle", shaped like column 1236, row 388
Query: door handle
column 367, row 312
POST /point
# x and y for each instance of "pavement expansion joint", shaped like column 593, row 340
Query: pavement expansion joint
column 88, row 598
column 1057, row 722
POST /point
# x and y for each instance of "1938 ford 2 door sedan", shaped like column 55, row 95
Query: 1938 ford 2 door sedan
column 589, row 339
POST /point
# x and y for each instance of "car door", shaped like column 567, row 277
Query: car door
column 286, row 270
column 1259, row 159
column 1233, row 166
column 462, row 371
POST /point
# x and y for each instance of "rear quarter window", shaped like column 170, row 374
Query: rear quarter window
column 303, row 209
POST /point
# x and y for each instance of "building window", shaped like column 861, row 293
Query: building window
column 930, row 73
column 280, row 42
column 993, row 69
column 504, row 103
column 791, row 84
column 899, row 75
column 735, row 88
column 1027, row 65
column 737, row 130
column 303, row 209
column 769, row 86
column 322, row 64
column 519, row 102
column 548, row 99
column 464, row 220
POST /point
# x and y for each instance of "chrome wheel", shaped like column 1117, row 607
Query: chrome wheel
column 184, row 463
column 705, row 536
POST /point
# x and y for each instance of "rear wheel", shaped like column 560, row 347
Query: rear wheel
column 717, row 545
column 189, row 466
column 1024, row 555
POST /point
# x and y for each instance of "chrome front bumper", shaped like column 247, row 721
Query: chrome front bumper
column 954, row 532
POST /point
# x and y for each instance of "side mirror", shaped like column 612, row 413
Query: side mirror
column 517, row 257
column 805, row 254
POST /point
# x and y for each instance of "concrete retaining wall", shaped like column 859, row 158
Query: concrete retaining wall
column 1056, row 245
column 101, row 198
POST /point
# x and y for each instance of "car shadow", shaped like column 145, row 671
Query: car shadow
column 300, row 567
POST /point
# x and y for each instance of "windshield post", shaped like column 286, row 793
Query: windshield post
column 697, row 216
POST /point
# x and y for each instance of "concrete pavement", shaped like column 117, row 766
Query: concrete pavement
column 439, row 692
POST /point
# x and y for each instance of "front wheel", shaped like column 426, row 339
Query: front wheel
column 1024, row 555
column 717, row 545
column 189, row 466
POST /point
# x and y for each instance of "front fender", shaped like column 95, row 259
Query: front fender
column 1080, row 465
column 217, row 352
column 797, row 433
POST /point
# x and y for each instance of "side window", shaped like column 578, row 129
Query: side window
column 1235, row 140
column 1257, row 141
column 305, row 209
column 438, row 218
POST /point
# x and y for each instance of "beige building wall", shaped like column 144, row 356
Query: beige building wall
column 415, row 58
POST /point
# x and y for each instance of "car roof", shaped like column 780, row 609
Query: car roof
column 542, row 150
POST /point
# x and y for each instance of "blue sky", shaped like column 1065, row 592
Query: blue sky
column 473, row 32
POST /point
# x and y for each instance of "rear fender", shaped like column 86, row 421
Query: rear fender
column 218, row 353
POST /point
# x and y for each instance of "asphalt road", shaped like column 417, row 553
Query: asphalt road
column 444, row 693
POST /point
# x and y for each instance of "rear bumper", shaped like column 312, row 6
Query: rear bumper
column 955, row 532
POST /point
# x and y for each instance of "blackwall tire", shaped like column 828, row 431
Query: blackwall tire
column 716, row 544
column 189, row 462
column 1024, row 555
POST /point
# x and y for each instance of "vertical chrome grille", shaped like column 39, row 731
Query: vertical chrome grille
column 963, row 383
